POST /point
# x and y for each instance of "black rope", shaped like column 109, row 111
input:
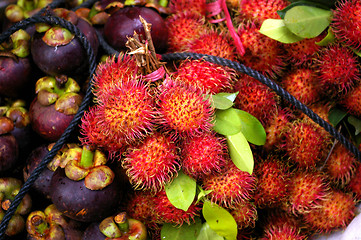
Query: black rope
column 75, row 121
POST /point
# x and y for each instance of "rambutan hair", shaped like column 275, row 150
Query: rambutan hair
column 195, row 6
column 351, row 102
column 245, row 214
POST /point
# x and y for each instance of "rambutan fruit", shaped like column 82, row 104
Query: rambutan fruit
column 334, row 212
column 277, row 128
column 261, row 10
column 167, row 213
column 153, row 163
column 183, row 110
column 346, row 23
column 245, row 214
column 213, row 43
column 303, row 84
column 340, row 165
column 283, row 232
column 197, row 6
column 305, row 145
column 338, row 69
column 261, row 52
column 308, row 188
column 230, row 187
column 183, row 28
column 112, row 72
column 127, row 111
column 209, row 77
column 203, row 155
column 273, row 182
column 256, row 98
column 352, row 101
column 354, row 185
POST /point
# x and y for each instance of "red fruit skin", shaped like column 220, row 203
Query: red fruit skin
column 354, row 185
column 47, row 122
column 195, row 6
column 261, row 10
column 9, row 152
column 245, row 214
column 352, row 101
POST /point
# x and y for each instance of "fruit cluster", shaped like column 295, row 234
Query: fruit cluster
column 187, row 148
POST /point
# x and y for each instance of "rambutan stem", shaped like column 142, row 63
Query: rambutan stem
column 87, row 155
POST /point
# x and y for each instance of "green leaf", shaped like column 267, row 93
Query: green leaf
column 240, row 152
column 202, row 193
column 277, row 30
column 206, row 233
column 181, row 191
column 326, row 3
column 224, row 100
column 307, row 21
column 227, row 122
column 251, row 128
column 282, row 12
column 185, row 231
column 356, row 123
column 336, row 115
column 220, row 220
column 330, row 38
column 357, row 52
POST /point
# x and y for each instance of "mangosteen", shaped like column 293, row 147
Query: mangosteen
column 57, row 101
column 125, row 21
column 56, row 51
column 9, row 151
column 86, row 189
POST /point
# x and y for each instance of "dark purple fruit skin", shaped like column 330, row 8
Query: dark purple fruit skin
column 14, row 76
column 9, row 152
column 47, row 122
column 92, row 232
column 69, row 59
column 42, row 183
column 77, row 202
column 126, row 20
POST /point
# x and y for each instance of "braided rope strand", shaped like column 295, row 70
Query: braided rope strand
column 73, row 124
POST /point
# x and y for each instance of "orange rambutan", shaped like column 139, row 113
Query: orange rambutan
column 346, row 23
column 183, row 28
column 305, row 145
column 354, row 185
column 256, row 98
column 245, row 214
column 260, row 10
column 338, row 69
column 340, row 165
column 303, row 84
column 213, row 43
column 197, row 6
column 209, row 77
column 113, row 72
column 273, row 182
column 152, row 163
column 352, row 101
column 183, row 110
column 261, row 52
column 334, row 212
column 203, row 155
column 168, row 213
column 308, row 188
column 230, row 187
column 127, row 111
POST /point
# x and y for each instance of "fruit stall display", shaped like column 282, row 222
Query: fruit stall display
column 203, row 119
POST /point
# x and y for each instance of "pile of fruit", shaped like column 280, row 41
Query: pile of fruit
column 183, row 149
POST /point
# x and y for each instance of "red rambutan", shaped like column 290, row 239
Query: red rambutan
column 255, row 98
column 209, row 77
column 197, row 6
column 230, row 187
column 334, row 212
column 303, row 84
column 273, row 182
column 352, row 101
column 213, row 43
column 153, row 163
column 340, row 165
column 261, row 10
column 127, row 111
column 305, row 144
column 167, row 213
column 245, row 214
column 203, row 155
column 183, row 28
column 308, row 188
column 346, row 22
column 183, row 110
column 338, row 69
column 283, row 232
column 262, row 53
column 355, row 183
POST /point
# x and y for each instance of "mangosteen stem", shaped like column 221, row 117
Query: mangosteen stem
column 6, row 204
column 86, row 160
column 40, row 225
column 122, row 221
